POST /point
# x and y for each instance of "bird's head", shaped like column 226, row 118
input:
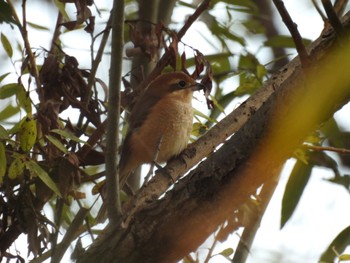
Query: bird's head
column 173, row 83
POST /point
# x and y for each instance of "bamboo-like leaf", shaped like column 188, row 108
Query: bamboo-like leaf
column 57, row 143
column 3, row 162
column 27, row 134
column 3, row 133
column 7, row 45
column 339, row 244
column 298, row 179
column 9, row 90
column 67, row 135
column 8, row 112
column 16, row 168
column 24, row 100
column 36, row 170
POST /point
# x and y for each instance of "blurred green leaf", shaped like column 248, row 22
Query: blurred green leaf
column 3, row 162
column 36, row 170
column 16, row 167
column 339, row 244
column 7, row 45
column 297, row 181
column 27, row 134
column 67, row 135
column 9, row 90
column 3, row 76
column 227, row 252
column 6, row 14
column 36, row 26
column 3, row 133
column 8, row 112
column 283, row 41
column 23, row 100
column 57, row 143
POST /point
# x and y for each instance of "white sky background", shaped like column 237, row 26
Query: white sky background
column 323, row 210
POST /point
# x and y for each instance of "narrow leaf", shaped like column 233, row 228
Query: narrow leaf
column 27, row 134
column 8, row 112
column 339, row 244
column 3, row 133
column 7, row 45
column 9, row 90
column 3, row 162
column 295, row 186
column 57, row 143
column 16, row 168
column 24, row 100
column 67, row 135
column 36, row 170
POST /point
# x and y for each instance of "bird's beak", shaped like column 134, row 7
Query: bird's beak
column 198, row 86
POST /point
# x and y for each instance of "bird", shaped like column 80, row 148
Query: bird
column 160, row 123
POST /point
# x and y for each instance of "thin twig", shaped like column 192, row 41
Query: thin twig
column 164, row 60
column 326, row 148
column 69, row 236
column 112, row 173
column 293, row 29
column 339, row 6
column 24, row 33
column 319, row 11
column 333, row 17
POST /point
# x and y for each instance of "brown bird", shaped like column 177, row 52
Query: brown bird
column 160, row 123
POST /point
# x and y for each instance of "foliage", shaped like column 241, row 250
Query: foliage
column 51, row 159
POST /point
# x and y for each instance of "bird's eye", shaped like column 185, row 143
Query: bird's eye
column 182, row 83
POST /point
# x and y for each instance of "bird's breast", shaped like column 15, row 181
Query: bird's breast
column 167, row 126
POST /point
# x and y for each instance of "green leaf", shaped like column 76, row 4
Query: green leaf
column 283, row 41
column 24, row 100
column 57, row 143
column 36, row 170
column 8, row 112
column 61, row 7
column 36, row 26
column 9, row 90
column 6, row 13
column 67, row 135
column 3, row 76
column 3, row 162
column 227, row 252
column 297, row 181
column 3, row 133
column 7, row 45
column 344, row 257
column 16, row 167
column 338, row 245
column 27, row 134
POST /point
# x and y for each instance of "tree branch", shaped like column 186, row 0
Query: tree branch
column 333, row 17
column 205, row 198
column 112, row 174
column 293, row 29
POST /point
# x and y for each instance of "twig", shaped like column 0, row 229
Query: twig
column 56, row 33
column 319, row 11
column 24, row 33
column 293, row 29
column 333, row 17
column 164, row 60
column 326, row 148
column 112, row 174
column 339, row 6
column 69, row 236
